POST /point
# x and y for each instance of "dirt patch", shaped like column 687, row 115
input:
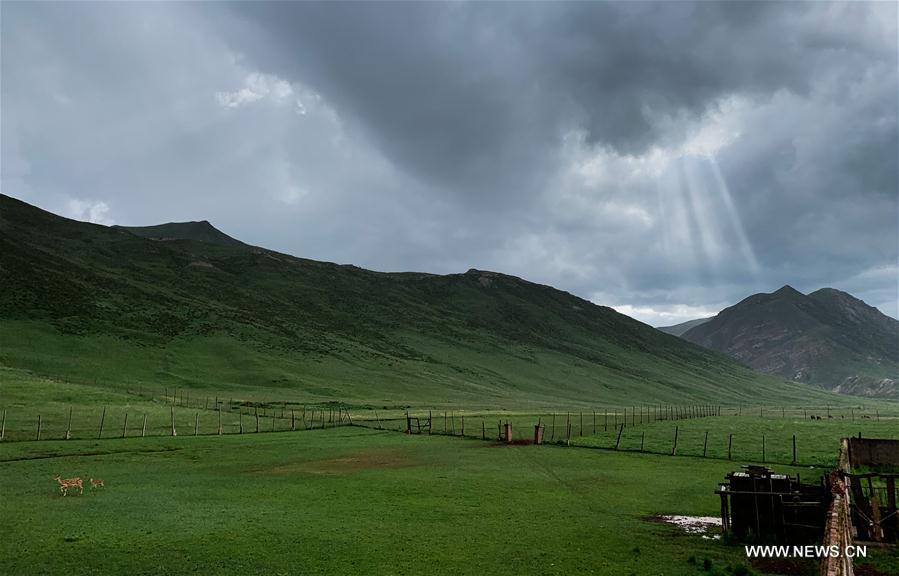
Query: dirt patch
column 516, row 442
column 348, row 464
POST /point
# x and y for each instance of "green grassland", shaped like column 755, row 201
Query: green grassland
column 352, row 500
column 105, row 325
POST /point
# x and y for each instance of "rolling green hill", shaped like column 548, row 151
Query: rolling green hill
column 103, row 305
column 828, row 338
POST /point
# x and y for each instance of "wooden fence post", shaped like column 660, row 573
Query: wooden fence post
column 463, row 425
column 483, row 430
column 618, row 441
column 730, row 443
column 794, row 449
column 3, row 426
column 143, row 430
column 197, row 424
column 594, row 422
column 705, row 444
column 552, row 433
column 174, row 433
column 240, row 420
column 605, row 423
column 642, row 439
column 102, row 418
column 69, row 425
column 293, row 422
column 580, row 430
column 125, row 425
column 674, row 449
column 763, row 449
column 39, row 423
column 256, row 413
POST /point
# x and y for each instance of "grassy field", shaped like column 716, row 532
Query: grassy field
column 283, row 503
column 352, row 500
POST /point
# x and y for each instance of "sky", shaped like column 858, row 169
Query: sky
column 665, row 159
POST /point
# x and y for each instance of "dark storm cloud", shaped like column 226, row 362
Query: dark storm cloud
column 481, row 90
column 665, row 158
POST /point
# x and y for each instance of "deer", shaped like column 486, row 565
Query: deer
column 65, row 484
column 97, row 483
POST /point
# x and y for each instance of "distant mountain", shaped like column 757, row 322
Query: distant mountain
column 828, row 338
column 679, row 329
column 201, row 231
column 190, row 308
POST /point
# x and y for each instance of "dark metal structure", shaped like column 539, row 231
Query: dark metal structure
column 760, row 505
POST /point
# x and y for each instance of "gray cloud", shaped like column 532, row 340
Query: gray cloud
column 664, row 158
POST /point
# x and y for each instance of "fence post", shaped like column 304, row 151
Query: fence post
column 642, row 439
column 174, row 433
column 674, row 449
column 463, row 425
column 350, row 418
column 102, row 418
column 197, row 424
column 580, row 430
column 69, row 425
column 3, row 426
column 483, row 430
column 125, row 425
column 552, row 433
column 618, row 441
column 293, row 422
column 794, row 449
column 219, row 410
column 256, row 413
column 240, row 420
column 143, row 430
column 705, row 444
column 730, row 443
column 39, row 423
column 594, row 422
column 605, row 423
column 763, row 449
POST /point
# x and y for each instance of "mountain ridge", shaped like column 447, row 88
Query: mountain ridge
column 200, row 230
column 85, row 301
column 828, row 338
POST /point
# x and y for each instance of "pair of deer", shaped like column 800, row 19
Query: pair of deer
column 65, row 484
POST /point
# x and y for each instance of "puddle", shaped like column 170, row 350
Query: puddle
column 709, row 527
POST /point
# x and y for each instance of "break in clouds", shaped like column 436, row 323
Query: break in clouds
column 665, row 159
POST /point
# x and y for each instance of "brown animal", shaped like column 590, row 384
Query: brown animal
column 65, row 484
column 97, row 484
